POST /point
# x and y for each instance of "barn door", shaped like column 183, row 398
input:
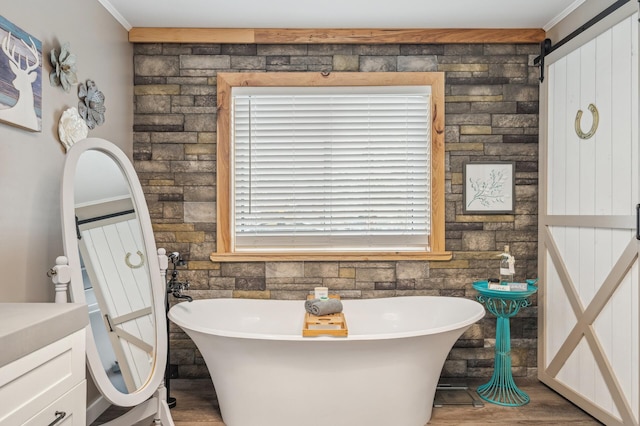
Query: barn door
column 113, row 248
column 588, row 251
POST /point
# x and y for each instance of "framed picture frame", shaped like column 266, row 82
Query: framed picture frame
column 20, row 77
column 488, row 187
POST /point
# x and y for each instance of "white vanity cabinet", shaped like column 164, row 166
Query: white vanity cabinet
column 42, row 364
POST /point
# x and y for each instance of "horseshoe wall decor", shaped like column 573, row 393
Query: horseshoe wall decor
column 131, row 265
column 594, row 124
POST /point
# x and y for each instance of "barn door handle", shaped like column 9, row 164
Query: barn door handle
column 637, row 221
column 594, row 124
column 127, row 260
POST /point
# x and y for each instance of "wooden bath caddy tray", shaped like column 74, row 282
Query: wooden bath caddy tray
column 325, row 325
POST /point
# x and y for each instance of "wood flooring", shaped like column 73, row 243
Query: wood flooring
column 196, row 407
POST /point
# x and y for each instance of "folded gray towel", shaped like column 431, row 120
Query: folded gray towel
column 323, row 307
column 308, row 303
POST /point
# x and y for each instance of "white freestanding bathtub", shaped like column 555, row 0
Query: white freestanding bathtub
column 384, row 373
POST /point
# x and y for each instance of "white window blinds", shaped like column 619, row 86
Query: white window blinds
column 331, row 168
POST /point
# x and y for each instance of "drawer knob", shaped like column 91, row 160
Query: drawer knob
column 59, row 416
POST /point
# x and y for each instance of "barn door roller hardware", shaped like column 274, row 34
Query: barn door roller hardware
column 545, row 49
column 546, row 46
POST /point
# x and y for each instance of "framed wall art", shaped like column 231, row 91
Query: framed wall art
column 20, row 77
column 488, row 187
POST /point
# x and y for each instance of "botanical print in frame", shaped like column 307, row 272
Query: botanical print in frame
column 488, row 188
column 20, row 77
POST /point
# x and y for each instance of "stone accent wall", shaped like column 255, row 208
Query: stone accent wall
column 491, row 114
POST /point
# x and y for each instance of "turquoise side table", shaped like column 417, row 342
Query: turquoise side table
column 501, row 389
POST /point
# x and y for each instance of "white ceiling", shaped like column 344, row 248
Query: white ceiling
column 340, row 13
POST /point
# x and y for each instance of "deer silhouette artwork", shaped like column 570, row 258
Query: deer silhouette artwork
column 23, row 112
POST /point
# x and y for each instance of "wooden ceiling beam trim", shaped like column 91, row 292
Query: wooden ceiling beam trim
column 404, row 36
column 335, row 36
column 192, row 35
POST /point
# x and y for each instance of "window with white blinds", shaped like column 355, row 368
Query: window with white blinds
column 331, row 168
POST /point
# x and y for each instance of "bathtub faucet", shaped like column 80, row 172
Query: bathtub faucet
column 177, row 292
column 174, row 286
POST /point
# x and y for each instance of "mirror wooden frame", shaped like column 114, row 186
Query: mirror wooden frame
column 150, row 399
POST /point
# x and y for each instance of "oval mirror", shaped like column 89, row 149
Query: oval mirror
column 109, row 243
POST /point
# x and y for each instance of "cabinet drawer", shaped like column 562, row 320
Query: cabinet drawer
column 69, row 410
column 35, row 381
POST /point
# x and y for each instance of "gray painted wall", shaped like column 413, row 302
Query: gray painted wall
column 578, row 17
column 31, row 163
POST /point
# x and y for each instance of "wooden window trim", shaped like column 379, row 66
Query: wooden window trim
column 226, row 81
